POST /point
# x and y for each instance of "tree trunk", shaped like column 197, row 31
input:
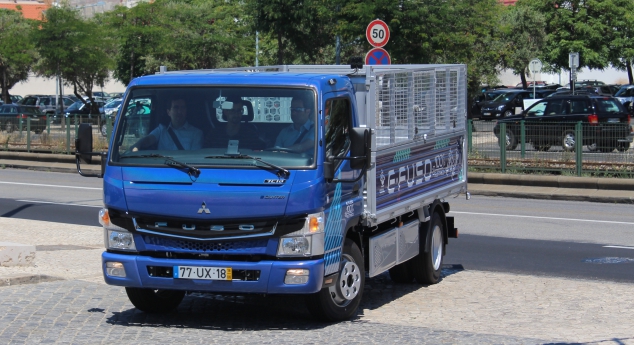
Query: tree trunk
column 280, row 48
column 628, row 63
column 5, row 92
column 523, row 77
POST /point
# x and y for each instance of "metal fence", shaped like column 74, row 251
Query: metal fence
column 568, row 148
column 46, row 135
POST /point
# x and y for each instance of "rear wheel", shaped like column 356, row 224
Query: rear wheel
column 426, row 267
column 9, row 127
column 607, row 145
column 568, row 140
column 103, row 129
column 510, row 140
column 622, row 147
column 155, row 300
column 341, row 301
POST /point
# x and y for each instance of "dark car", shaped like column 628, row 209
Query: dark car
column 552, row 121
column 476, row 103
column 46, row 103
column 12, row 115
column 505, row 103
column 82, row 112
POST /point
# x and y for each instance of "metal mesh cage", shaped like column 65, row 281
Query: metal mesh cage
column 419, row 103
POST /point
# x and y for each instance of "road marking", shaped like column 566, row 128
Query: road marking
column 57, row 203
column 49, row 185
column 618, row 247
column 551, row 218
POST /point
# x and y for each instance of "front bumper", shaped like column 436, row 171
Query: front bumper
column 271, row 278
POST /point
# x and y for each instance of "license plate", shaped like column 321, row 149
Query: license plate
column 486, row 114
column 205, row 273
column 613, row 120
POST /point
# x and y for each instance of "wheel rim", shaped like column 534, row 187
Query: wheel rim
column 104, row 130
column 349, row 283
column 508, row 139
column 507, row 113
column 569, row 140
column 436, row 250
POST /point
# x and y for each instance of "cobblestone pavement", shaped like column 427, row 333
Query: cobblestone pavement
column 466, row 307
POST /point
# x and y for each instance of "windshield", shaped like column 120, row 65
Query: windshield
column 504, row 97
column 75, row 106
column 210, row 127
column 113, row 103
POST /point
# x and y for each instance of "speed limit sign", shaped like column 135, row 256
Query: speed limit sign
column 377, row 33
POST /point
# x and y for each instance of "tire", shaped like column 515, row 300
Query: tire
column 568, row 141
column 341, row 301
column 9, row 127
column 508, row 113
column 426, row 267
column 104, row 129
column 155, row 301
column 592, row 147
column 401, row 274
column 511, row 140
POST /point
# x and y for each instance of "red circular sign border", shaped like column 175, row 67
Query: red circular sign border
column 387, row 33
column 389, row 58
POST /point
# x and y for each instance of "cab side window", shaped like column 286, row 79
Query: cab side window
column 337, row 123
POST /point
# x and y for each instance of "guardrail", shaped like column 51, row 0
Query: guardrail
column 568, row 148
column 43, row 135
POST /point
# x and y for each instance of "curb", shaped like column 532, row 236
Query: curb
column 21, row 279
column 552, row 181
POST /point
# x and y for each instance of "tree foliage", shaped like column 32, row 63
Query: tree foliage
column 522, row 38
column 17, row 53
column 78, row 50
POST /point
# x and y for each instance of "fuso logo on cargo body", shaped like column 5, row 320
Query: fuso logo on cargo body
column 445, row 164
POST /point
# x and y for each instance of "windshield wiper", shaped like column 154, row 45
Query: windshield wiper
column 191, row 170
column 281, row 171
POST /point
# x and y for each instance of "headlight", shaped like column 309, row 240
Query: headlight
column 501, row 107
column 308, row 241
column 115, row 237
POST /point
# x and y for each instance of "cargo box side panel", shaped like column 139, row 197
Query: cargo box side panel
column 409, row 173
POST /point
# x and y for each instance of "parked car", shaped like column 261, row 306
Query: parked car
column 476, row 104
column 625, row 94
column 551, row 122
column 505, row 103
column 83, row 112
column 47, row 103
column 100, row 94
column 12, row 115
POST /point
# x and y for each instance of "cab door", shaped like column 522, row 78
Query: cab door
column 343, row 198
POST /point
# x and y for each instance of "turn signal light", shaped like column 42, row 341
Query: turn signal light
column 104, row 217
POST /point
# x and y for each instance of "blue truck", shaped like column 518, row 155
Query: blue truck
column 334, row 174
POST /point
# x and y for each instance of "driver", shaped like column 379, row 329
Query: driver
column 178, row 135
column 300, row 136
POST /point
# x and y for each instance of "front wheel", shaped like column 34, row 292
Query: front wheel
column 104, row 130
column 508, row 113
column 155, row 301
column 510, row 140
column 426, row 267
column 9, row 127
column 568, row 140
column 341, row 301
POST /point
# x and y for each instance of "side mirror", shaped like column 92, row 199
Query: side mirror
column 359, row 148
column 83, row 150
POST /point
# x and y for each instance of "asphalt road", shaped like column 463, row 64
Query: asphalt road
column 536, row 237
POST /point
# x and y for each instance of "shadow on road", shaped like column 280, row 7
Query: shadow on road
column 260, row 312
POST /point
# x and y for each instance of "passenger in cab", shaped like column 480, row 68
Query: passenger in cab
column 178, row 135
column 233, row 111
column 300, row 136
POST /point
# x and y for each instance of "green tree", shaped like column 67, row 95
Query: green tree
column 622, row 40
column 522, row 38
column 17, row 53
column 302, row 28
column 576, row 26
column 75, row 49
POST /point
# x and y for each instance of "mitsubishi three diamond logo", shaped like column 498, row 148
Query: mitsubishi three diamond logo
column 204, row 208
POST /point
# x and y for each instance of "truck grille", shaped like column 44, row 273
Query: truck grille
column 156, row 243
